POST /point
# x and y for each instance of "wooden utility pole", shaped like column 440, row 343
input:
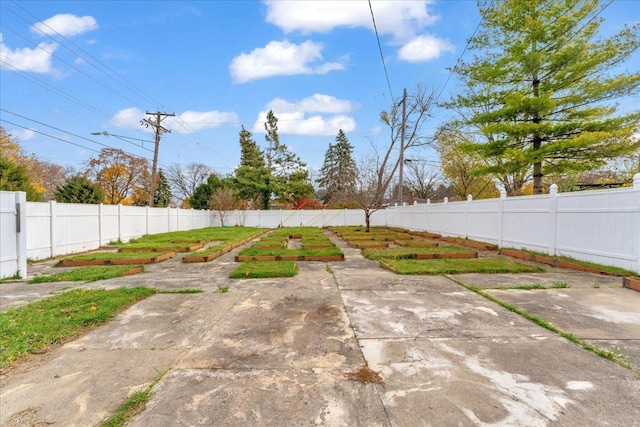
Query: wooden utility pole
column 156, row 123
column 401, row 169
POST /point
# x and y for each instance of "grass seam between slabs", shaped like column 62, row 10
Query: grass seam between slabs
column 543, row 323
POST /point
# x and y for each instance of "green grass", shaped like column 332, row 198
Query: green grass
column 13, row 278
column 133, row 406
column 459, row 266
column 407, row 252
column 264, row 269
column 298, row 252
column 61, row 318
column 84, row 274
column 616, row 271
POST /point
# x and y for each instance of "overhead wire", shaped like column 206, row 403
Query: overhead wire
column 121, row 80
column 384, row 65
column 64, row 131
column 46, row 134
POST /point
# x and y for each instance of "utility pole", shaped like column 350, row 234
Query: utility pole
column 404, row 119
column 156, row 123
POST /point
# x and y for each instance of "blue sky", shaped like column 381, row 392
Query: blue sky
column 88, row 66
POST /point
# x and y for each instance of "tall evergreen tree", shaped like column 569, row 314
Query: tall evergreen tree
column 163, row 195
column 252, row 177
column 289, row 175
column 339, row 171
column 79, row 189
column 543, row 77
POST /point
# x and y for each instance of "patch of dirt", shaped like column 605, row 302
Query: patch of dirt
column 366, row 376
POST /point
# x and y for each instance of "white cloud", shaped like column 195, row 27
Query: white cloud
column 129, row 118
column 281, row 58
column 193, row 121
column 317, row 103
column 401, row 19
column 65, row 24
column 37, row 60
column 23, row 134
column 424, row 48
column 186, row 122
column 292, row 117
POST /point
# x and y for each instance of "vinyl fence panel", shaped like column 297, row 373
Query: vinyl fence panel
column 13, row 235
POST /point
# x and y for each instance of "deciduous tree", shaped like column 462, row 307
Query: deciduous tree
column 457, row 164
column 184, row 180
column 124, row 178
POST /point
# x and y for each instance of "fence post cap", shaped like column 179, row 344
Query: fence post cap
column 503, row 193
column 636, row 181
column 553, row 189
column 446, row 200
column 469, row 197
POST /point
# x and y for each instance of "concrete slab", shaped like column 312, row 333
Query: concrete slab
column 454, row 312
column 275, row 351
column 553, row 276
column 85, row 380
column 608, row 318
column 262, row 398
column 79, row 387
column 299, row 325
column 16, row 294
column 501, row 381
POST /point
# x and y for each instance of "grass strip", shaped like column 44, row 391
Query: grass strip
column 264, row 269
column 85, row 274
column 408, row 252
column 35, row 327
column 133, row 406
column 297, row 252
column 459, row 266
column 611, row 355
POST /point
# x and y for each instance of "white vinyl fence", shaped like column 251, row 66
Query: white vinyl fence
column 62, row 228
column 13, row 236
column 600, row 226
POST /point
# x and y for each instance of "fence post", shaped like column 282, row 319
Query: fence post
column 444, row 215
column 466, row 214
column 425, row 225
column 553, row 216
column 168, row 218
column 100, row 224
column 52, row 227
column 503, row 196
column 636, row 187
column 146, row 212
column 21, row 235
column 119, row 222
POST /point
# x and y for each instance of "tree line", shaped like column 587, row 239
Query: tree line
column 538, row 105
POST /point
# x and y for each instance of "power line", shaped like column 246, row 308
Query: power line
column 384, row 65
column 50, row 136
column 62, row 130
column 121, row 80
